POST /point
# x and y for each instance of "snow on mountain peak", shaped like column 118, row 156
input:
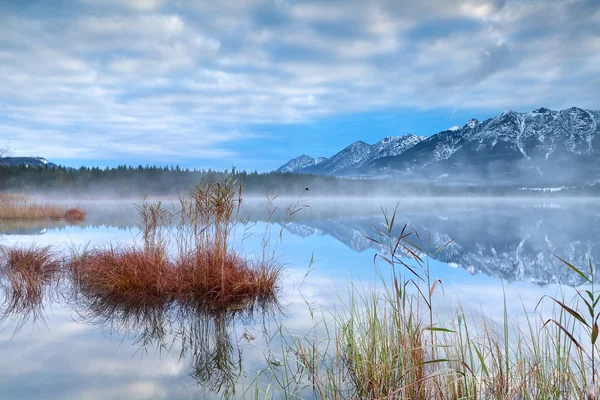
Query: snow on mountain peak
column 353, row 156
column 393, row 146
column 553, row 146
column 453, row 128
column 472, row 123
column 298, row 163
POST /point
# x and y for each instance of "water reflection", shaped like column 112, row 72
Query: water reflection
column 511, row 242
column 35, row 227
column 200, row 332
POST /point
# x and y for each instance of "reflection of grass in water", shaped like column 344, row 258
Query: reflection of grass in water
column 25, row 274
column 33, row 227
column 201, row 331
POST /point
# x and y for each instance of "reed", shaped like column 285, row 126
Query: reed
column 123, row 272
column 75, row 214
column 222, row 281
column 14, row 207
column 184, row 255
column 388, row 342
column 25, row 274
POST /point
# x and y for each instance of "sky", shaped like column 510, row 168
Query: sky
column 253, row 83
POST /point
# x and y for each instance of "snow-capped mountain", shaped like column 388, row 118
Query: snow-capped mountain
column 27, row 161
column 349, row 160
column 539, row 147
column 393, row 146
column 353, row 154
column 298, row 163
column 542, row 146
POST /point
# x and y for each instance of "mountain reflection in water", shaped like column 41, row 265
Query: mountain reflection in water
column 514, row 240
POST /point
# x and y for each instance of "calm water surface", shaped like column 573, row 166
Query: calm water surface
column 83, row 351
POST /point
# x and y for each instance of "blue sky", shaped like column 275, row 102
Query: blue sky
column 253, row 83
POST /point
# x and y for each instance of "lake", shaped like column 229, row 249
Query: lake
column 488, row 250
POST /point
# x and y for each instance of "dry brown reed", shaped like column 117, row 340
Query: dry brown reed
column 223, row 282
column 124, row 272
column 185, row 255
column 16, row 207
column 75, row 214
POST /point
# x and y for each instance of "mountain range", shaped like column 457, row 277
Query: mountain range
column 542, row 147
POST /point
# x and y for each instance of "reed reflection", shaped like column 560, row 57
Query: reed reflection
column 201, row 332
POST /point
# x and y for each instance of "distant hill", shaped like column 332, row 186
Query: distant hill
column 27, row 161
column 542, row 147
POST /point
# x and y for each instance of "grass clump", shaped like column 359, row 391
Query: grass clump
column 121, row 272
column 184, row 255
column 14, row 207
column 75, row 214
column 25, row 274
column 222, row 279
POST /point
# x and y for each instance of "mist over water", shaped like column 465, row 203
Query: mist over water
column 514, row 239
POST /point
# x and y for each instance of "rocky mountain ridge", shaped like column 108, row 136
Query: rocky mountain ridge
column 542, row 147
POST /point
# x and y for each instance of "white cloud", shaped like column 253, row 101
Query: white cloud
column 144, row 5
column 140, row 68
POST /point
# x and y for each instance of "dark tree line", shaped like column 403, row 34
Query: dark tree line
column 151, row 180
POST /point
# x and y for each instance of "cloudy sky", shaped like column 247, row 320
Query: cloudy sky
column 252, row 83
